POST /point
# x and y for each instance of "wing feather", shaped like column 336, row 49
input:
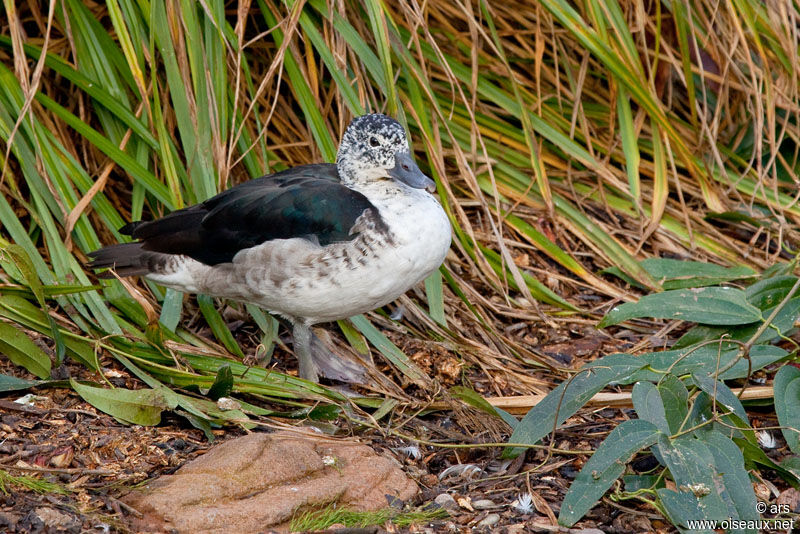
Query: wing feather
column 307, row 202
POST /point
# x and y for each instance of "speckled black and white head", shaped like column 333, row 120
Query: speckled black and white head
column 375, row 147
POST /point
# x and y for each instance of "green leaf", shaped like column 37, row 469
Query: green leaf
column 769, row 292
column 721, row 393
column 681, row 507
column 384, row 409
column 765, row 295
column 622, row 275
column 433, row 289
column 269, row 328
column 474, row 399
column 792, row 464
column 12, row 383
column 140, row 407
column 649, row 406
column 209, row 411
column 675, row 397
column 665, row 405
column 730, row 424
column 217, row 324
column 704, row 360
column 630, row 146
column 223, row 383
column 390, row 350
column 25, row 265
column 22, row 351
column 569, row 396
column 729, row 464
column 676, row 274
column 755, row 458
column 605, row 466
column 171, row 309
column 688, row 460
column 708, row 305
column 786, row 389
column 354, row 337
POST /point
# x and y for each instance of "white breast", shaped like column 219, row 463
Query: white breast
column 300, row 279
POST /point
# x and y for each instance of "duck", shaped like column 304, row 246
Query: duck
column 311, row 244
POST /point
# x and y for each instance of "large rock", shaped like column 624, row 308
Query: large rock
column 258, row 481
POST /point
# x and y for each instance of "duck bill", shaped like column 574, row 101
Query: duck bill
column 406, row 171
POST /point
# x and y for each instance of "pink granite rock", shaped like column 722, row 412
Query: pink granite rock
column 259, row 481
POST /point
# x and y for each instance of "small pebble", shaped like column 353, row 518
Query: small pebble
column 483, row 504
column 489, row 521
column 446, row 501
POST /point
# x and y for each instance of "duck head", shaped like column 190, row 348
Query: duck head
column 375, row 147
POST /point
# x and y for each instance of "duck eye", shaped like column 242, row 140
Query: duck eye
column 373, row 142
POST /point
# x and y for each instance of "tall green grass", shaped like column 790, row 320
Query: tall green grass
column 564, row 138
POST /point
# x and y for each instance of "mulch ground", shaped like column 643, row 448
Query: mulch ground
column 96, row 459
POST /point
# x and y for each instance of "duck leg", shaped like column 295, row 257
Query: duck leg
column 315, row 359
column 336, row 366
column 301, row 333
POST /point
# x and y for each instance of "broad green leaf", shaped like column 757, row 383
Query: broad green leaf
column 22, row 351
column 140, row 407
column 755, row 458
column 605, row 466
column 649, row 406
column 12, row 383
column 730, row 424
column 708, row 305
column 688, row 460
column 665, row 405
column 786, row 387
column 200, row 412
column 570, row 395
column 767, row 293
column 704, row 360
column 721, row 393
column 682, row 507
column 675, row 397
column 676, row 274
column 729, row 463
column 223, row 383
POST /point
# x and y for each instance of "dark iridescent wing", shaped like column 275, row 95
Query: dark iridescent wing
column 306, row 202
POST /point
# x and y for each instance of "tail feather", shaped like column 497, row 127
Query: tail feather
column 126, row 259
